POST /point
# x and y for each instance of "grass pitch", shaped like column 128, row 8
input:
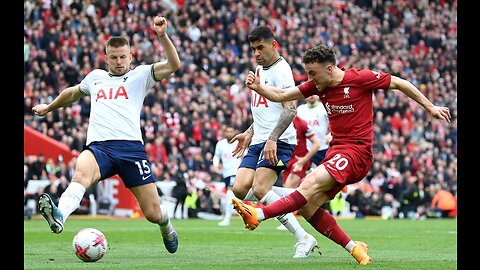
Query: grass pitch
column 137, row 244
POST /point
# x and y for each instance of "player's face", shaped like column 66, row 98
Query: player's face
column 319, row 74
column 264, row 51
column 118, row 60
column 229, row 133
column 312, row 100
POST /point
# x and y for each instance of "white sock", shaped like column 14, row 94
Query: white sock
column 250, row 196
column 70, row 199
column 350, row 246
column 228, row 205
column 283, row 191
column 288, row 220
column 164, row 223
column 260, row 214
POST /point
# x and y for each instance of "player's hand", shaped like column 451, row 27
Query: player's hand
column 253, row 79
column 298, row 166
column 328, row 138
column 244, row 140
column 160, row 25
column 40, row 109
column 442, row 113
column 270, row 152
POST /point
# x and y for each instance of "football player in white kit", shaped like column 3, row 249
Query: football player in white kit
column 225, row 163
column 316, row 116
column 114, row 139
column 271, row 138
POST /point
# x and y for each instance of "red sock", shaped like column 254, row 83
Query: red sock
column 326, row 224
column 284, row 205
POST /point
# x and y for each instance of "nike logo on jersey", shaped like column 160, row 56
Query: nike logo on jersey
column 95, row 83
column 125, row 78
column 145, row 177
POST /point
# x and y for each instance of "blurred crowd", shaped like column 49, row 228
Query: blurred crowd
column 183, row 116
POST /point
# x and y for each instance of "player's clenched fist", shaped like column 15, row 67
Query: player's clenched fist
column 40, row 109
column 160, row 25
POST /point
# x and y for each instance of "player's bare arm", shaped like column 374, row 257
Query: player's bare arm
column 250, row 130
column 272, row 93
column 68, row 96
column 244, row 140
column 286, row 117
column 298, row 166
column 437, row 112
column 163, row 69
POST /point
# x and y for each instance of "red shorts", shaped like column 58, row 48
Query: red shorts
column 348, row 164
column 289, row 169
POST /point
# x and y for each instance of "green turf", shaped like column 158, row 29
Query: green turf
column 137, row 244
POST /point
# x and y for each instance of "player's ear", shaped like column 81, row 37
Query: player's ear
column 330, row 68
column 274, row 43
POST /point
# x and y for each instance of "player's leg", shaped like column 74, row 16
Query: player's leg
column 86, row 174
column 243, row 183
column 136, row 173
column 318, row 187
column 315, row 182
column 327, row 225
column 228, row 208
column 149, row 201
column 262, row 184
column 242, row 188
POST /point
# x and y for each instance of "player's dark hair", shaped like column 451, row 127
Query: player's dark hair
column 319, row 54
column 117, row 42
column 261, row 33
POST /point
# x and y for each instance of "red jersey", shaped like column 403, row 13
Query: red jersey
column 304, row 132
column 349, row 104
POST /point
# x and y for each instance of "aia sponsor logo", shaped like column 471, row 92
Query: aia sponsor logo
column 112, row 94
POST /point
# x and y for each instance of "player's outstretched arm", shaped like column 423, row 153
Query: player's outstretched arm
column 163, row 69
column 270, row 92
column 68, row 96
column 438, row 112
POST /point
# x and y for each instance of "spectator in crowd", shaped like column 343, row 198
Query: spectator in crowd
column 443, row 202
column 114, row 139
column 180, row 190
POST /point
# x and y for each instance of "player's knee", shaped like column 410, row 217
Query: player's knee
column 259, row 191
column 152, row 215
column 79, row 177
column 239, row 192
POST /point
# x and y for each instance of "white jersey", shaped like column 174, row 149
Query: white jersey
column 223, row 153
column 265, row 112
column 116, row 103
column 317, row 119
